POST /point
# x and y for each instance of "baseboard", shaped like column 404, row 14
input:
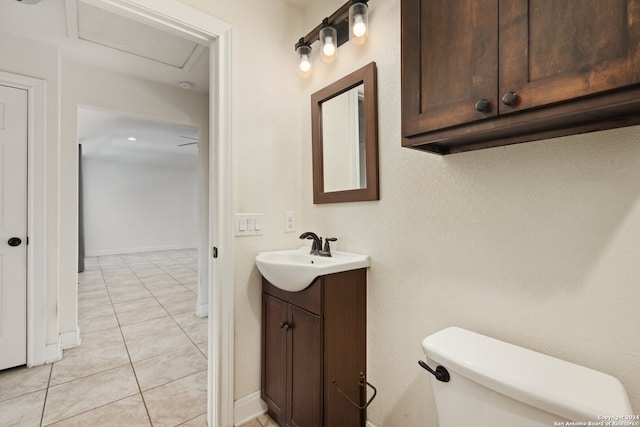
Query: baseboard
column 248, row 408
column 70, row 339
column 119, row 251
column 202, row 310
column 52, row 353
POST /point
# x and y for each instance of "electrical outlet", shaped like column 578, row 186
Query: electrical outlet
column 289, row 222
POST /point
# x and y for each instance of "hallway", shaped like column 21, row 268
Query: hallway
column 142, row 361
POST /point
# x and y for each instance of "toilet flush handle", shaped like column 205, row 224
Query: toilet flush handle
column 440, row 373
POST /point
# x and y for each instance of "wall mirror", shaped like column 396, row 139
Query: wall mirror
column 344, row 127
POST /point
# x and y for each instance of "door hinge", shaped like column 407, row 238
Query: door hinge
column 214, row 252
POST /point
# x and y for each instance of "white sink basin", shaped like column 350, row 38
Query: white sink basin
column 294, row 269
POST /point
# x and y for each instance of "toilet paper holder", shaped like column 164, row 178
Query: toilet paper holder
column 362, row 382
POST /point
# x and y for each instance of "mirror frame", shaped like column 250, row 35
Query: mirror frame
column 367, row 76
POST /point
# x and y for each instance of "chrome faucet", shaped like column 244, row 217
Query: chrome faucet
column 316, row 247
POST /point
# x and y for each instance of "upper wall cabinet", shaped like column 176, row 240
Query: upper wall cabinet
column 485, row 73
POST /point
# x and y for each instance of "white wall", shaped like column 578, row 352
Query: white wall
column 536, row 244
column 267, row 150
column 140, row 205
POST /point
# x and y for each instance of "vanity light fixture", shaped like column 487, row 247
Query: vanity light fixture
column 358, row 21
column 349, row 22
column 328, row 42
column 304, row 50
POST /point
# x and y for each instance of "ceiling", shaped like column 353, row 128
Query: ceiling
column 91, row 35
column 105, row 136
column 87, row 34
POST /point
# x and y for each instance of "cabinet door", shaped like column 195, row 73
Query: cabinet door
column 304, row 359
column 449, row 62
column 274, row 344
column 552, row 51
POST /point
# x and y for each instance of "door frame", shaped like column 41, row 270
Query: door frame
column 38, row 351
column 185, row 21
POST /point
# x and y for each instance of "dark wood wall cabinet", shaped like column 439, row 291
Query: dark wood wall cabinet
column 485, row 73
column 313, row 342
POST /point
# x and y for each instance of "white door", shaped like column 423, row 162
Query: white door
column 13, row 227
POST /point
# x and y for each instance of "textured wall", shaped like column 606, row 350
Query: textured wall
column 536, row 244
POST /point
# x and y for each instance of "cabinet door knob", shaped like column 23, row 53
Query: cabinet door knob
column 510, row 98
column 284, row 325
column 483, row 105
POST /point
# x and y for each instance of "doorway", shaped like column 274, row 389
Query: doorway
column 177, row 17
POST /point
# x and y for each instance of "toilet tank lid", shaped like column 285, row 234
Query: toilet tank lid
column 562, row 388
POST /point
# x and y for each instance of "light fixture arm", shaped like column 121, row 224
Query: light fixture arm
column 338, row 19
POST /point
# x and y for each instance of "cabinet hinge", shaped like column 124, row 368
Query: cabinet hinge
column 214, row 252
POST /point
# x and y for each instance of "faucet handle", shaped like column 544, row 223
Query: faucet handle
column 326, row 251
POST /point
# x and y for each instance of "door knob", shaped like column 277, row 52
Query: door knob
column 14, row 241
column 510, row 98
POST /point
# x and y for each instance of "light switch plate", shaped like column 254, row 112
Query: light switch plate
column 249, row 224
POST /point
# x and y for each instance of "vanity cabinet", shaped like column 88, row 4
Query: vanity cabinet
column 484, row 73
column 314, row 341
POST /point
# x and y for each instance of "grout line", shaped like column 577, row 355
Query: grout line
column 46, row 394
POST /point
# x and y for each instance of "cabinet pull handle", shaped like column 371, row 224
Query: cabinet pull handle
column 285, row 326
column 362, row 383
column 510, row 98
column 483, row 105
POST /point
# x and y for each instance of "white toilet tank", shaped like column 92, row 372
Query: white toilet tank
column 494, row 383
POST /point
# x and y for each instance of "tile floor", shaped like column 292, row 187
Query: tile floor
column 142, row 361
column 261, row 421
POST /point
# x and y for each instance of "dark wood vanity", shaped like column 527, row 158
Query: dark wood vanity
column 314, row 342
column 485, row 73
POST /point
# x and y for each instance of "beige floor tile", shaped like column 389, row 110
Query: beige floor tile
column 136, row 305
column 96, row 340
column 266, row 421
column 76, row 365
column 130, row 293
column 157, row 345
column 148, row 328
column 96, row 318
column 129, row 412
column 78, row 396
column 88, row 287
column 252, row 423
column 200, row 421
column 99, row 293
column 131, row 317
column 169, row 293
column 180, row 306
column 168, row 367
column 18, row 381
column 153, row 338
column 179, row 401
column 23, row 411
column 94, row 302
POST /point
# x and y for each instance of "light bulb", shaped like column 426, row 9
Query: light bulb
column 305, row 64
column 329, row 48
column 359, row 27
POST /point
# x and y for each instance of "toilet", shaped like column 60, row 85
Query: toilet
column 493, row 383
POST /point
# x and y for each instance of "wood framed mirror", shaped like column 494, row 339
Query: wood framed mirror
column 344, row 137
